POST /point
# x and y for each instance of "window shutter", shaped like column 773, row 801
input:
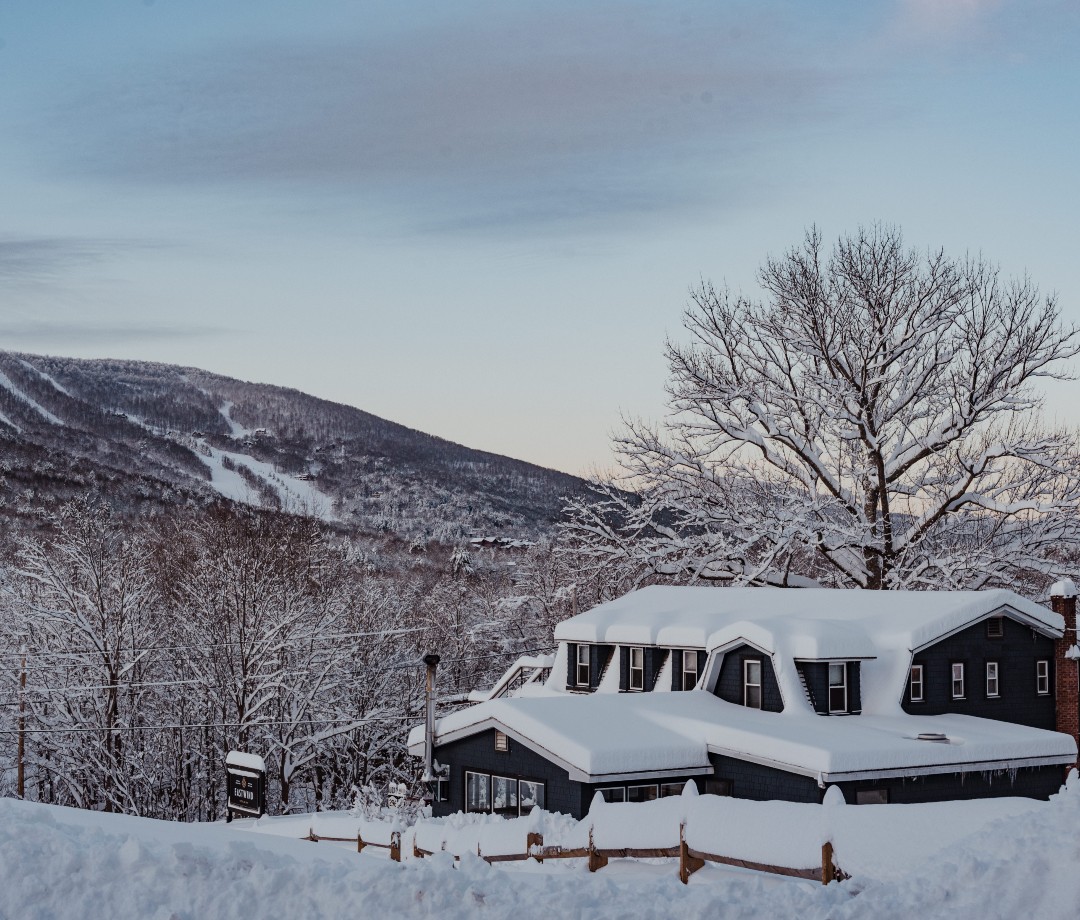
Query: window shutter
column 571, row 665
column 676, row 671
column 598, row 659
column 624, row 667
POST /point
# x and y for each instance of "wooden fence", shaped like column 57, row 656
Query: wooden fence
column 690, row 859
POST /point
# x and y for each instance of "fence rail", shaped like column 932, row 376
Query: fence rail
column 690, row 859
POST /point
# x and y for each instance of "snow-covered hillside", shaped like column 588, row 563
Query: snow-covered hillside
column 146, row 434
column 61, row 863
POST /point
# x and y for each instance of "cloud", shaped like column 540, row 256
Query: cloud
column 54, row 332
column 44, row 260
column 520, row 118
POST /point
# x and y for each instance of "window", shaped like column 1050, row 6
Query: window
column 641, row 793
column 838, row 687
column 502, row 743
column 477, row 791
column 637, row 668
column 669, row 789
column 872, row 797
column 752, row 683
column 957, row 680
column 995, row 628
column 613, row 793
column 504, row 795
column 440, row 790
column 1042, row 677
column 689, row 670
column 915, row 683
column 582, row 671
column 530, row 795
column 718, row 787
column 992, row 686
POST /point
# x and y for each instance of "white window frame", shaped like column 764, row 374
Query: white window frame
column 690, row 656
column 748, row 684
column 1042, row 677
column 993, row 680
column 842, row 665
column 920, row 683
column 957, row 672
column 636, row 671
column 618, row 796
column 579, row 665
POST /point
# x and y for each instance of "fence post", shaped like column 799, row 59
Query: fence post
column 416, row 850
column 534, row 846
column 596, row 860
column 395, row 846
column 828, row 868
column 360, row 843
column 688, row 864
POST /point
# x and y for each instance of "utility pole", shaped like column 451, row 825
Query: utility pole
column 21, row 782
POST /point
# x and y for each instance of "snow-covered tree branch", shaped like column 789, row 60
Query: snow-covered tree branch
column 872, row 422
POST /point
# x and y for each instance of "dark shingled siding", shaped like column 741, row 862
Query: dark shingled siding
column 1016, row 653
column 816, row 674
column 748, row 780
column 478, row 754
column 729, row 685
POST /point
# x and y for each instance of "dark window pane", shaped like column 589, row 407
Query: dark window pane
column 477, row 792
column 531, row 795
column 641, row 793
column 504, row 794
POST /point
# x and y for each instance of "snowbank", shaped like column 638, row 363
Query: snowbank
column 63, row 863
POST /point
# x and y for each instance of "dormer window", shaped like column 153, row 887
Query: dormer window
column 637, row 668
column 689, row 670
column 838, row 687
column 752, row 683
column 581, row 672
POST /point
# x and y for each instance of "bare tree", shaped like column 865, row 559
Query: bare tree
column 871, row 423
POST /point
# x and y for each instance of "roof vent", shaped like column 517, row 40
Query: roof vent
column 933, row 736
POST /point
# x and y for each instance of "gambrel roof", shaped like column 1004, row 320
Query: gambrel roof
column 607, row 734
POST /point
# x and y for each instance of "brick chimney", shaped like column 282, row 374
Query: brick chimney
column 1066, row 661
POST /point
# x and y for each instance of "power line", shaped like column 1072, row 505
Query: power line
column 248, row 725
column 332, row 637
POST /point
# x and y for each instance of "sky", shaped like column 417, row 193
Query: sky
column 482, row 219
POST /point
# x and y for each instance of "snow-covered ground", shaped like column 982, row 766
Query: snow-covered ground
column 57, row 862
column 297, row 495
column 9, row 384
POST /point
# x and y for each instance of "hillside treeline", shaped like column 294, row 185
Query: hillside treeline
column 135, row 654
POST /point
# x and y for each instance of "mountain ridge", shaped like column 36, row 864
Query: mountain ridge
column 154, row 433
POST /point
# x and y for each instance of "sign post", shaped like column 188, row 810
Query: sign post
column 246, row 785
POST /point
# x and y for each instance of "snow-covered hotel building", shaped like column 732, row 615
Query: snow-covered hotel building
column 769, row 693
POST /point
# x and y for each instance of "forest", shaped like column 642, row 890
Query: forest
column 137, row 653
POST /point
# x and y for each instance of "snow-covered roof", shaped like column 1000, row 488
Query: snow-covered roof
column 885, row 627
column 626, row 736
column 815, row 622
column 245, row 761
